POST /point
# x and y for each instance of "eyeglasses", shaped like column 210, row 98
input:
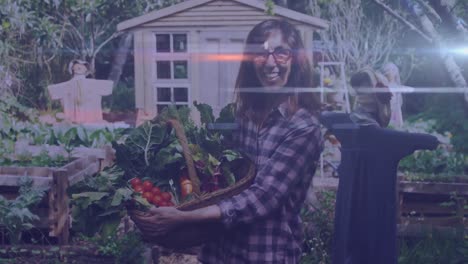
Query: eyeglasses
column 281, row 55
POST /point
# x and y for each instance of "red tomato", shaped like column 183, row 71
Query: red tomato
column 164, row 204
column 135, row 182
column 156, row 190
column 166, row 196
column 148, row 196
column 147, row 186
column 138, row 189
column 157, row 199
column 170, row 203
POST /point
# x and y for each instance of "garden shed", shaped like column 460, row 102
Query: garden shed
column 191, row 51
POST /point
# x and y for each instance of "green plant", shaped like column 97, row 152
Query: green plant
column 120, row 100
column 16, row 214
column 125, row 249
column 435, row 249
column 439, row 162
column 451, row 118
column 99, row 202
column 41, row 160
column 319, row 220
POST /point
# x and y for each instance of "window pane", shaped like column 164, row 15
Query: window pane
column 180, row 42
column 180, row 70
column 180, row 94
column 163, row 69
column 161, row 107
column 164, row 94
column 163, row 43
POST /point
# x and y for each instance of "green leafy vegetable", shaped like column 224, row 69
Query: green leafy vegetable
column 16, row 215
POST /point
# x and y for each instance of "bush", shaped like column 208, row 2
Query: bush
column 122, row 98
column 450, row 115
column 318, row 222
column 434, row 249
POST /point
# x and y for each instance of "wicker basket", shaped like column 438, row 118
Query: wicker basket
column 190, row 235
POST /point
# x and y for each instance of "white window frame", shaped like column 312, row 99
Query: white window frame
column 172, row 56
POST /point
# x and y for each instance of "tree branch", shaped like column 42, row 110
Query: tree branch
column 403, row 20
column 430, row 10
column 113, row 36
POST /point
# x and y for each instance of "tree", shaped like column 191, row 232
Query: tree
column 424, row 18
column 27, row 37
column 357, row 38
column 39, row 38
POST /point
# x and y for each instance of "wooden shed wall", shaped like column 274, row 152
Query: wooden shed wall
column 217, row 13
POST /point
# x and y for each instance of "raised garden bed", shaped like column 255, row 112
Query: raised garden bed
column 429, row 206
column 54, row 210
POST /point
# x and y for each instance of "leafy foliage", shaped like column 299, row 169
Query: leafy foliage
column 41, row 160
column 433, row 249
column 319, row 220
column 153, row 151
column 16, row 214
column 125, row 249
column 99, row 202
column 437, row 162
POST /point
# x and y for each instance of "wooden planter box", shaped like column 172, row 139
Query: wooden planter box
column 52, row 254
column 428, row 206
column 54, row 211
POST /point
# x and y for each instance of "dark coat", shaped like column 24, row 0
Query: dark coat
column 365, row 214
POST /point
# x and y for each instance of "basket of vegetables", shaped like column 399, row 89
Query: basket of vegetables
column 194, row 168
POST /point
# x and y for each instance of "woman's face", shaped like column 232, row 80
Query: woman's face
column 273, row 61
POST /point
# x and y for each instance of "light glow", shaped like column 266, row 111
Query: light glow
column 463, row 51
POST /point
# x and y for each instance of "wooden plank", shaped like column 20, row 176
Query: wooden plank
column 434, row 188
column 89, row 171
column 26, row 171
column 137, row 21
column 77, row 164
column 427, row 208
column 224, row 19
column 60, row 215
column 435, row 221
column 202, row 23
column 197, row 13
column 207, row 8
column 222, row 3
column 290, row 14
column 421, row 230
column 12, row 180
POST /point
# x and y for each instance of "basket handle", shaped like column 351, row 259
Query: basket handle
column 192, row 173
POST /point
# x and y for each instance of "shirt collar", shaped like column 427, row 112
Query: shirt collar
column 283, row 109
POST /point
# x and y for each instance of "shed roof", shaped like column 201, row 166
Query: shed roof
column 257, row 4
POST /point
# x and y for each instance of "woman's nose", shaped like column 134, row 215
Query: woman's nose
column 270, row 60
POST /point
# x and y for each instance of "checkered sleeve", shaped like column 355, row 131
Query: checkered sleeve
column 275, row 179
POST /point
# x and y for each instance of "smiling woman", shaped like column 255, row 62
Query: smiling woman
column 279, row 130
column 275, row 52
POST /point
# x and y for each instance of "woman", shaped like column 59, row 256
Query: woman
column 280, row 132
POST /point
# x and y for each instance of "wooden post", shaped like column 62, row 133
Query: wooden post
column 59, row 216
column 460, row 204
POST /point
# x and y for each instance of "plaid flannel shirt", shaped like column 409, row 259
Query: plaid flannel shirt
column 262, row 224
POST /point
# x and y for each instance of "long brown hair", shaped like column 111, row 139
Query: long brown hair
column 300, row 75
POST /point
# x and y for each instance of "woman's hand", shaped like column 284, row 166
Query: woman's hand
column 157, row 221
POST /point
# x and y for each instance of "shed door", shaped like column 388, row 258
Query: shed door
column 219, row 65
